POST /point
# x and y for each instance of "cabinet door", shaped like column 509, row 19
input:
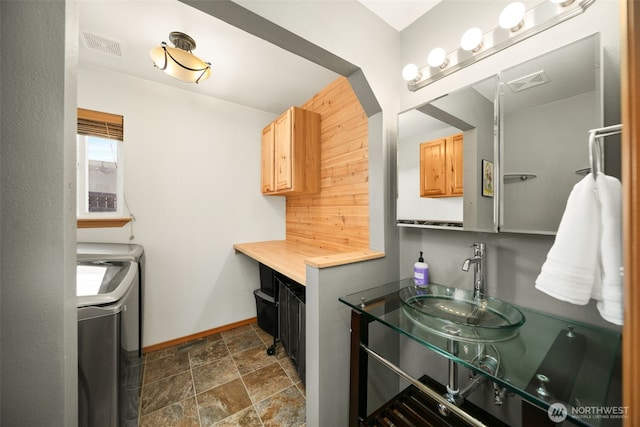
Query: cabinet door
column 268, row 159
column 432, row 168
column 283, row 151
column 455, row 154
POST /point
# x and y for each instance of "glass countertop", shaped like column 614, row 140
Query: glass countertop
column 578, row 359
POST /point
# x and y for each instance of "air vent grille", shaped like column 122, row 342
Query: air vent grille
column 532, row 80
column 101, row 44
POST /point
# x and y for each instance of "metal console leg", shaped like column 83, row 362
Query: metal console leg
column 359, row 369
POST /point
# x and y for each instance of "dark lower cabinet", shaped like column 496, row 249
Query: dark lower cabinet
column 291, row 321
column 280, row 309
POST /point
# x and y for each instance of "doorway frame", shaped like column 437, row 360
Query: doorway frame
column 630, row 85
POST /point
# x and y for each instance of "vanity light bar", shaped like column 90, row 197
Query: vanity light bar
column 534, row 21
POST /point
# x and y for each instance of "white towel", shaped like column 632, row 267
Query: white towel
column 609, row 192
column 585, row 260
column 571, row 271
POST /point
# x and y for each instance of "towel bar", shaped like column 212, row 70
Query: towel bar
column 596, row 156
column 425, row 389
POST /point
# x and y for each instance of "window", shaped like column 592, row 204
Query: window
column 100, row 168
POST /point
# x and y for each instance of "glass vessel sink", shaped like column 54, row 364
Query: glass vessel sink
column 453, row 313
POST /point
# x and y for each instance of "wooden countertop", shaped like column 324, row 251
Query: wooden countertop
column 291, row 258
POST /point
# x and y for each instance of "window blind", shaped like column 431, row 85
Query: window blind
column 103, row 125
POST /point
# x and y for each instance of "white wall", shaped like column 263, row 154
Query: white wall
column 192, row 180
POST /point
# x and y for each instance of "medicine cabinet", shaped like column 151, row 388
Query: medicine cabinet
column 527, row 126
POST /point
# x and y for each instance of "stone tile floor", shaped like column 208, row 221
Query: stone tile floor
column 226, row 379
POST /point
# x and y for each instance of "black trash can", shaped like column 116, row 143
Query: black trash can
column 265, row 309
column 267, row 280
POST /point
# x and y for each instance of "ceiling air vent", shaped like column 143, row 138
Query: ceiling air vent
column 101, row 44
column 535, row 79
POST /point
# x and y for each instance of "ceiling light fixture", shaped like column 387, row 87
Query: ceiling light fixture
column 475, row 46
column 178, row 61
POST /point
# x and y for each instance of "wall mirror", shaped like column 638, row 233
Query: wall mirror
column 470, row 111
column 548, row 105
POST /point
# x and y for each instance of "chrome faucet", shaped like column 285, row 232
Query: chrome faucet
column 478, row 260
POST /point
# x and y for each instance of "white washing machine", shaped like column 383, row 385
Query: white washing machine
column 87, row 251
column 109, row 289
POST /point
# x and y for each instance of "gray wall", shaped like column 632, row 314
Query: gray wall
column 328, row 337
column 38, row 362
column 553, row 155
column 513, row 264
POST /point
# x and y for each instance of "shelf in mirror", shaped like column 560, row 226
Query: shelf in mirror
column 511, row 177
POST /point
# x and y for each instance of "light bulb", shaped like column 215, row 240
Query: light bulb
column 410, row 72
column 563, row 3
column 437, row 58
column 511, row 16
column 471, row 39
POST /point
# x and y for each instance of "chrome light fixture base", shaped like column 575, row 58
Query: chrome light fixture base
column 536, row 20
column 182, row 41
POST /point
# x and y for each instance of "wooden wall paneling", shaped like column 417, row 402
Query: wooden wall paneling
column 337, row 217
column 354, row 140
column 345, row 160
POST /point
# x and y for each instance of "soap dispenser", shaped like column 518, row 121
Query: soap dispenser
column 421, row 272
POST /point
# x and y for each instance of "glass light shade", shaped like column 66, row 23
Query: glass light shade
column 437, row 57
column 180, row 64
column 410, row 72
column 471, row 39
column 511, row 16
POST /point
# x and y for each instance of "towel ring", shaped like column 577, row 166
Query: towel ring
column 596, row 155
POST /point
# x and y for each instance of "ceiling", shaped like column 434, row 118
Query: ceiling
column 118, row 35
column 399, row 14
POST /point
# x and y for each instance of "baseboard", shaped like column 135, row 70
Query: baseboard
column 199, row 335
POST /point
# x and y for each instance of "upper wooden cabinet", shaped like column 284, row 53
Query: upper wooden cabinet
column 441, row 163
column 291, row 153
column 268, row 163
